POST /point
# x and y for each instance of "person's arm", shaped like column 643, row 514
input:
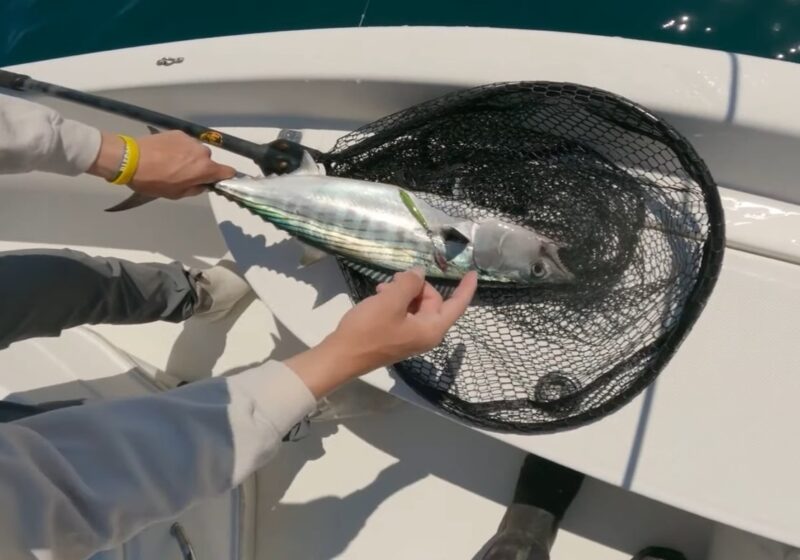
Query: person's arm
column 77, row 480
column 86, row 478
column 34, row 137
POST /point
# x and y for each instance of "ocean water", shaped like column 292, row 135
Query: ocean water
column 40, row 29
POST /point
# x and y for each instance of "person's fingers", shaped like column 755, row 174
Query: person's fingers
column 456, row 304
column 226, row 171
column 215, row 172
column 194, row 140
column 176, row 137
column 405, row 287
column 431, row 300
column 413, row 307
column 380, row 287
column 194, row 191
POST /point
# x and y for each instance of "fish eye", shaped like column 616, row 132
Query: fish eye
column 538, row 270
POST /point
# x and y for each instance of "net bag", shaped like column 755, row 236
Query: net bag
column 635, row 205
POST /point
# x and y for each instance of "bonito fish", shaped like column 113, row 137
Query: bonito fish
column 379, row 229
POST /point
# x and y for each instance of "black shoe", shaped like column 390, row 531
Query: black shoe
column 658, row 553
column 528, row 530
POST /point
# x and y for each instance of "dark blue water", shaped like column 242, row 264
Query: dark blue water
column 38, row 29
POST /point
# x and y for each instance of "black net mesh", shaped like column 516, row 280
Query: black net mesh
column 632, row 200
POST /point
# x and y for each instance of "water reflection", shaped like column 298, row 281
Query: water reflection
column 683, row 23
column 793, row 52
column 753, row 21
column 680, row 23
column 38, row 29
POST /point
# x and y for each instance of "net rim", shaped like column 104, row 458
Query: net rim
column 668, row 342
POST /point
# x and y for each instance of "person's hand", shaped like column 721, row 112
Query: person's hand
column 171, row 164
column 405, row 318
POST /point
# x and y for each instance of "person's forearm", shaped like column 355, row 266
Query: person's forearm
column 81, row 479
column 44, row 291
column 36, row 138
column 329, row 365
column 106, row 164
column 86, row 478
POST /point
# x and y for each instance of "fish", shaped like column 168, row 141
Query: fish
column 378, row 229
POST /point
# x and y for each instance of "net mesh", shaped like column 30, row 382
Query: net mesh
column 627, row 194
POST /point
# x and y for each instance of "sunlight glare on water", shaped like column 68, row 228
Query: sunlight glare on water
column 40, row 29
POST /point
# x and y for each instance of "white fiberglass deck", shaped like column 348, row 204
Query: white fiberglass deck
column 727, row 396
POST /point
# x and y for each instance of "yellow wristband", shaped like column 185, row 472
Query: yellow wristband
column 129, row 163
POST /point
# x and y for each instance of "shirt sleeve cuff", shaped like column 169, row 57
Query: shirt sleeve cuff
column 277, row 394
column 81, row 144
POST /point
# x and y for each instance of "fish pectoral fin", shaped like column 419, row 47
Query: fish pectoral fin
column 452, row 240
column 452, row 249
column 311, row 255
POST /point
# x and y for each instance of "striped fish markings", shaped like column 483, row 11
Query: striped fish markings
column 379, row 229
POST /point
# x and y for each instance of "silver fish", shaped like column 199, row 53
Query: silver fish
column 379, row 229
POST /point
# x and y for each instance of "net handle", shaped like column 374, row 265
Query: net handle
column 279, row 156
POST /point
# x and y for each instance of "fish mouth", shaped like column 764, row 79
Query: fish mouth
column 567, row 274
column 552, row 248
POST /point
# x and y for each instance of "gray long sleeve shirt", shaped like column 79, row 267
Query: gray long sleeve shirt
column 82, row 479
column 36, row 138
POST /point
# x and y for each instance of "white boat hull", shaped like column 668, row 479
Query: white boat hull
column 735, row 109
